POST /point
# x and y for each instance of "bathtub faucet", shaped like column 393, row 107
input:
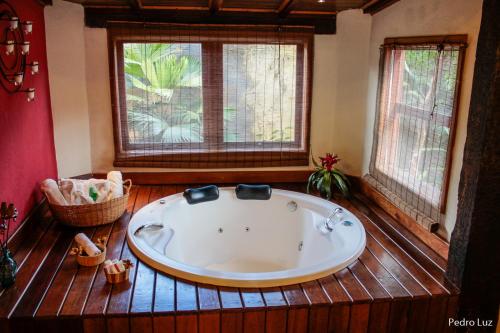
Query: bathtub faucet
column 333, row 219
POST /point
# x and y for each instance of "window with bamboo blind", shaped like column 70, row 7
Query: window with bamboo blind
column 210, row 97
column 419, row 83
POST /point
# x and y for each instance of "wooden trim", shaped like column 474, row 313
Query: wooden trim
column 427, row 40
column 457, row 39
column 45, row 2
column 432, row 240
column 374, row 6
column 102, row 17
column 453, row 130
column 19, row 234
column 215, row 177
column 285, row 7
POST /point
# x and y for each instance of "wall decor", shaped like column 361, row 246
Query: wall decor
column 14, row 63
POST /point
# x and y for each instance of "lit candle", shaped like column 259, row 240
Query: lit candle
column 34, row 68
column 18, row 78
column 9, row 47
column 25, row 48
column 27, row 27
column 30, row 94
column 14, row 23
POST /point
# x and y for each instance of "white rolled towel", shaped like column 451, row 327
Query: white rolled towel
column 116, row 179
column 51, row 190
column 88, row 246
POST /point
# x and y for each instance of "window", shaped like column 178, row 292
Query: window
column 417, row 102
column 210, row 98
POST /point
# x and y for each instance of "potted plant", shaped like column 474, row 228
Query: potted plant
column 327, row 176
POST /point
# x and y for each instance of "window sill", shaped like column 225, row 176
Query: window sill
column 431, row 239
column 229, row 159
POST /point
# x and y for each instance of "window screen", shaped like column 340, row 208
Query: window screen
column 210, row 98
column 418, row 92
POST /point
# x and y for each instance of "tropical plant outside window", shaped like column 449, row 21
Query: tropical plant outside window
column 215, row 100
column 417, row 103
column 163, row 92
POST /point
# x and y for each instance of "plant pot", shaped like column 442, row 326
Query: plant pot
column 8, row 268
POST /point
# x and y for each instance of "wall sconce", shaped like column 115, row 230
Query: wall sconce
column 25, row 48
column 13, row 23
column 13, row 33
column 9, row 47
column 28, row 27
column 34, row 67
column 30, row 94
column 18, row 79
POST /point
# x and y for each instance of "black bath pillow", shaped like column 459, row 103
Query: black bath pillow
column 253, row 192
column 201, row 194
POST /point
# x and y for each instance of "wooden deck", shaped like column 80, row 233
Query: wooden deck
column 390, row 288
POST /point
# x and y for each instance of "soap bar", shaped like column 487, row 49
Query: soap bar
column 88, row 246
column 201, row 194
column 253, row 192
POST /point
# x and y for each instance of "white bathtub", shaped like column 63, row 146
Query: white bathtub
column 246, row 243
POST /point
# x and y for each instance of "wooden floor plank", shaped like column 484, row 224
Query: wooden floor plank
column 387, row 289
column 55, row 296
column 27, row 306
column 77, row 295
column 11, row 296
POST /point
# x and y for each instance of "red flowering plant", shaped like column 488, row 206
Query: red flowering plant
column 326, row 176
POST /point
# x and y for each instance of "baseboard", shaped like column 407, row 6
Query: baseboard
column 214, row 177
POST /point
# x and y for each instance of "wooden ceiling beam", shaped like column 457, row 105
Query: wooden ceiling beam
column 374, row 6
column 45, row 2
column 135, row 4
column 102, row 17
column 215, row 5
column 285, row 7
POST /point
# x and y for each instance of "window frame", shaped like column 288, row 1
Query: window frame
column 213, row 152
column 389, row 43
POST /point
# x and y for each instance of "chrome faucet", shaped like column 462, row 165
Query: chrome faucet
column 332, row 220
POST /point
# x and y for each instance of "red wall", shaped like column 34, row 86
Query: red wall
column 27, row 153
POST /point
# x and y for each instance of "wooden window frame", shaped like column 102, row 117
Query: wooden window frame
column 213, row 152
column 428, row 40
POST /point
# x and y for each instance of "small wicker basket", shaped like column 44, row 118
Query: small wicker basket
column 85, row 260
column 93, row 214
column 120, row 277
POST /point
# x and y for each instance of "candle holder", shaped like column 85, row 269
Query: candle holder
column 8, row 266
column 15, row 66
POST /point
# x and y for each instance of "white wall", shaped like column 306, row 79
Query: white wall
column 420, row 18
column 68, row 87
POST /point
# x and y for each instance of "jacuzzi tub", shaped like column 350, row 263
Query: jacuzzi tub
column 246, row 243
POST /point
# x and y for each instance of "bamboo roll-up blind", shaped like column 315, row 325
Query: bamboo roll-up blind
column 417, row 102
column 210, row 97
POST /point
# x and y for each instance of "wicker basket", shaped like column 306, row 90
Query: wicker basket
column 120, row 277
column 85, row 260
column 93, row 214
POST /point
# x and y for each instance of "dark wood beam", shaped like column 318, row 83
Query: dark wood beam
column 215, row 5
column 474, row 259
column 285, row 8
column 374, row 6
column 135, row 4
column 100, row 18
column 45, row 2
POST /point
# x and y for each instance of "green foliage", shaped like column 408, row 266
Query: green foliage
column 323, row 181
column 163, row 92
